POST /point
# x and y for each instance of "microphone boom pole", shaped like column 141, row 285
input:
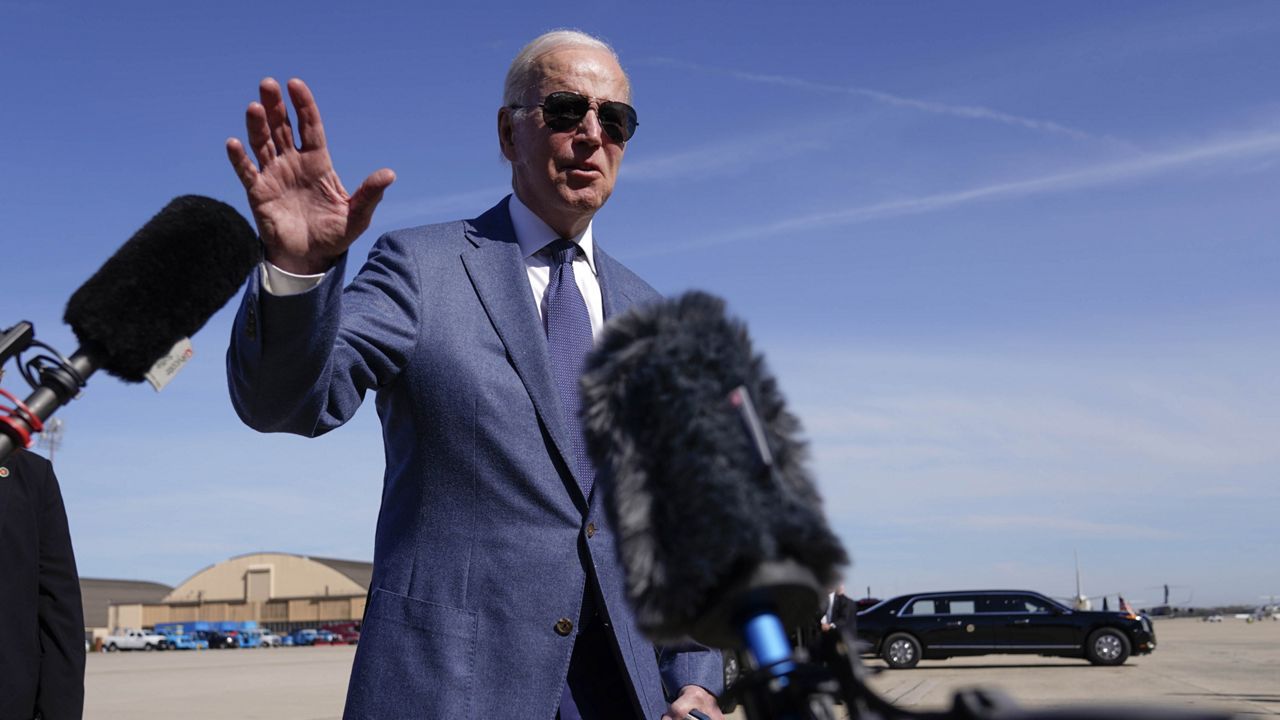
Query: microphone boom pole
column 59, row 385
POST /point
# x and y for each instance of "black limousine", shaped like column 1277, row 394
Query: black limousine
column 939, row 625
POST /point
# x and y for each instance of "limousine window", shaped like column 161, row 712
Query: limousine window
column 940, row 606
column 1012, row 604
column 923, row 607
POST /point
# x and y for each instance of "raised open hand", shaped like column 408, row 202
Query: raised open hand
column 304, row 214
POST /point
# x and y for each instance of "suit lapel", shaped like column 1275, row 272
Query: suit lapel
column 615, row 299
column 497, row 271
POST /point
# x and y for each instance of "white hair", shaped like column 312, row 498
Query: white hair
column 522, row 77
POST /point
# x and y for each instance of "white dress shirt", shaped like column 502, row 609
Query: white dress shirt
column 831, row 606
column 532, row 234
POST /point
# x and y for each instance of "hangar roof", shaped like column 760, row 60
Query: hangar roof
column 358, row 570
column 97, row 593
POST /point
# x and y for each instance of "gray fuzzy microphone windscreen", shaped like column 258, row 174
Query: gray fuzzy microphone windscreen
column 695, row 509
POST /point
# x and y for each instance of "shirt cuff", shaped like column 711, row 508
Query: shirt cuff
column 282, row 283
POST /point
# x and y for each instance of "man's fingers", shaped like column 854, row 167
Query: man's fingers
column 241, row 163
column 310, row 129
column 694, row 701
column 277, row 115
column 366, row 198
column 255, row 121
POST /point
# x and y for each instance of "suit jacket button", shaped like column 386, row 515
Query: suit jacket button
column 563, row 627
column 591, row 529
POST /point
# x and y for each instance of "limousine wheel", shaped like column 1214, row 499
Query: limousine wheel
column 901, row 651
column 1108, row 647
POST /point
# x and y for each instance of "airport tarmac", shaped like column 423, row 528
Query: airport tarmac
column 1231, row 665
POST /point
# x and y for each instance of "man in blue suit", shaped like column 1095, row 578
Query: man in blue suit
column 496, row 588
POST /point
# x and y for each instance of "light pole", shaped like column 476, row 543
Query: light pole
column 51, row 437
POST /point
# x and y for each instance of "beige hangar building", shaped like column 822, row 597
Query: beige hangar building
column 280, row 591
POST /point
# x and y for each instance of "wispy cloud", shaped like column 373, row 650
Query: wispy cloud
column 731, row 155
column 1062, row 525
column 969, row 112
column 961, row 431
column 440, row 207
column 726, row 158
column 1050, row 425
column 1251, row 148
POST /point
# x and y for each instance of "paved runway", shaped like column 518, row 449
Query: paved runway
column 1230, row 665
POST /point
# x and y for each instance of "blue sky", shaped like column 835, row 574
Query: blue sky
column 1014, row 264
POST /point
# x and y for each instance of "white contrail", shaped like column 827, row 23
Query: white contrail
column 972, row 112
column 1144, row 166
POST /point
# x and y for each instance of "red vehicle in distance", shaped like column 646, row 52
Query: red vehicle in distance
column 347, row 633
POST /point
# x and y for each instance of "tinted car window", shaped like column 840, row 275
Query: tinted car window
column 922, row 607
column 941, row 606
column 1012, row 604
column 1035, row 606
column 1002, row 604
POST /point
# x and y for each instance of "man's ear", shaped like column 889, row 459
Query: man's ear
column 506, row 133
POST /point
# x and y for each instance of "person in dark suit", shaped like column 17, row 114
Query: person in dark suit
column 496, row 588
column 834, row 611
column 41, row 620
column 838, row 610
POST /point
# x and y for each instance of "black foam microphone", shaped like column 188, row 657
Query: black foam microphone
column 163, row 284
column 710, row 511
column 160, row 287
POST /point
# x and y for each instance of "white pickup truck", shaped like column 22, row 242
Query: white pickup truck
column 135, row 640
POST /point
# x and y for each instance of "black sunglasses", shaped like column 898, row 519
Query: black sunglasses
column 565, row 110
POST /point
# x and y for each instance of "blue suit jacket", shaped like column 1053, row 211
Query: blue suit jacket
column 481, row 543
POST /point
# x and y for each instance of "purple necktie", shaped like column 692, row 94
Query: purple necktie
column 569, row 340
